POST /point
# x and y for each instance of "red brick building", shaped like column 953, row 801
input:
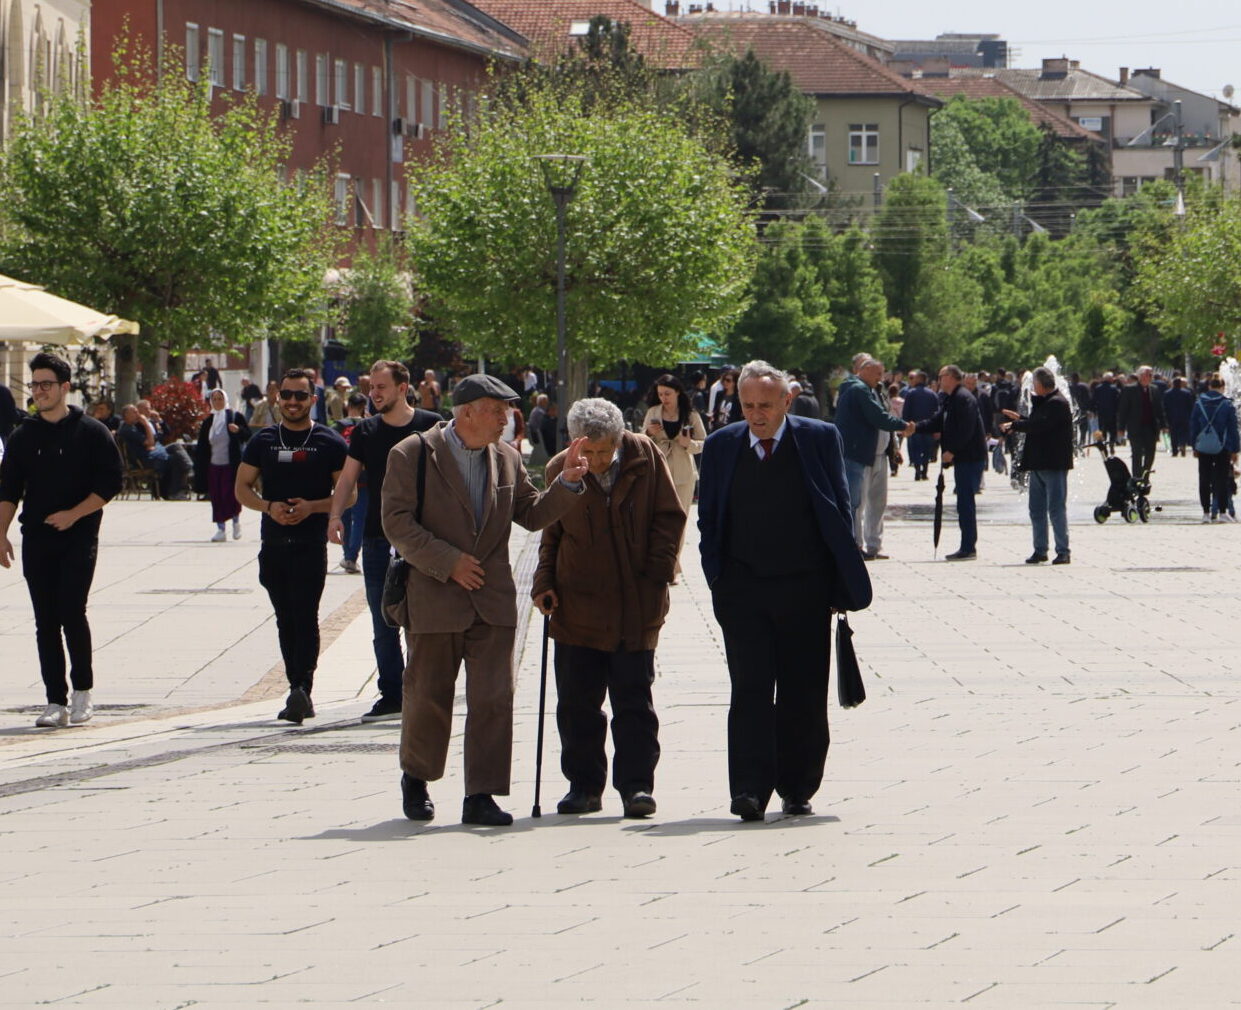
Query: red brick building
column 371, row 79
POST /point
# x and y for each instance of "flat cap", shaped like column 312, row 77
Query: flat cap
column 479, row 387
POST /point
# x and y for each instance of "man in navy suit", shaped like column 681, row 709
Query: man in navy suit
column 779, row 555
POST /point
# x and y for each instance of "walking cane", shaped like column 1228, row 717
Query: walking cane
column 538, row 758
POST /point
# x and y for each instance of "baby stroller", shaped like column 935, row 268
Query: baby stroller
column 1126, row 494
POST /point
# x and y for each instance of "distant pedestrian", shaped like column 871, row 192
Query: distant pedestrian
column 1047, row 457
column 603, row 576
column 920, row 404
column 1213, row 434
column 267, row 410
column 676, row 429
column 217, row 456
column 1178, row 405
column 778, row 554
column 299, row 462
column 64, row 468
column 429, row 396
column 352, row 517
column 372, row 439
column 804, row 403
column 726, row 408
column 1105, row 395
column 534, row 429
column 9, row 414
column 963, row 446
column 461, row 602
column 1140, row 416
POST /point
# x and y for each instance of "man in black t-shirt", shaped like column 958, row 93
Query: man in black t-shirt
column 299, row 462
column 393, row 421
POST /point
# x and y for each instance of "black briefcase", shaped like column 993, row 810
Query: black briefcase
column 849, row 687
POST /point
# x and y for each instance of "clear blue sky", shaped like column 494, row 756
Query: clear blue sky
column 1197, row 43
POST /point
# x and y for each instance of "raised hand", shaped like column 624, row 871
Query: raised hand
column 575, row 464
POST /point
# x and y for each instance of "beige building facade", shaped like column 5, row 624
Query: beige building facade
column 43, row 46
column 854, row 139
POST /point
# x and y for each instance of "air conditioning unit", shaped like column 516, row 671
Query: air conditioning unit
column 290, row 109
column 331, row 115
column 416, row 131
column 398, row 126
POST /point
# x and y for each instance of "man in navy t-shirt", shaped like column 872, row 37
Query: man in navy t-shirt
column 299, row 462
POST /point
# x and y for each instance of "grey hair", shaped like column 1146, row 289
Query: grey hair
column 762, row 370
column 597, row 420
column 954, row 371
column 1044, row 377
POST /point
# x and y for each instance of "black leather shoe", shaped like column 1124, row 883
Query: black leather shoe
column 414, row 799
column 961, row 556
column 796, row 808
column 747, row 807
column 481, row 809
column 639, row 804
column 1036, row 558
column 1061, row 559
column 577, row 801
column 298, row 707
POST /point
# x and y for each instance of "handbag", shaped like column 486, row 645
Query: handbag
column 849, row 687
column 397, row 576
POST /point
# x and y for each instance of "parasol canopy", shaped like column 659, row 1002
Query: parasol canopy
column 31, row 313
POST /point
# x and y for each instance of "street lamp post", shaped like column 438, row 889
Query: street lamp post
column 561, row 194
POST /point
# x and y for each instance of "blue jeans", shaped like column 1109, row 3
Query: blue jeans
column 854, row 473
column 968, row 477
column 354, row 520
column 387, row 641
column 1049, row 490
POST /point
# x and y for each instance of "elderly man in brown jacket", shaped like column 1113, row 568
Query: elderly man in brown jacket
column 461, row 602
column 603, row 575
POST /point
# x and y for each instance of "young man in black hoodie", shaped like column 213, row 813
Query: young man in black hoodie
column 64, row 467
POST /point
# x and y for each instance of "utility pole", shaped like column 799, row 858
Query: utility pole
column 1178, row 152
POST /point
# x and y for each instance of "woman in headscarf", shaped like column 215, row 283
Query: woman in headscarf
column 220, row 437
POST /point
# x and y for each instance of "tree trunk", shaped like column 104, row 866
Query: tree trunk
column 126, row 346
column 148, row 355
column 176, row 365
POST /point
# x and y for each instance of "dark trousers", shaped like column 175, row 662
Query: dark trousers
column 777, row 640
column 920, row 449
column 293, row 574
column 59, row 569
column 1142, row 445
column 1107, row 425
column 386, row 641
column 1215, row 481
column 968, row 477
column 583, row 677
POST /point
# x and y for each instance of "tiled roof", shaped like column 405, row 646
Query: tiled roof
column 818, row 63
column 547, row 23
column 1075, row 86
column 451, row 22
column 989, row 87
column 847, row 31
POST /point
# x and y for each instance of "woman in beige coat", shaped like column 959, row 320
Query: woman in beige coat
column 675, row 427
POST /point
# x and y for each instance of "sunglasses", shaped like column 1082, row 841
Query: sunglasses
column 294, row 394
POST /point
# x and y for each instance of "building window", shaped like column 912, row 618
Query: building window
column 193, row 55
column 361, row 213
column 817, row 149
column 215, row 56
column 302, row 93
column 260, row 66
column 342, row 83
column 239, row 62
column 322, row 84
column 394, row 208
column 359, row 89
column 341, row 195
column 864, row 144
column 411, row 99
column 913, row 159
column 442, row 114
column 377, row 203
column 282, row 71
column 428, row 108
column 377, row 92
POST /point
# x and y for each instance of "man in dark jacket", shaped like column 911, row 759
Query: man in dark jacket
column 804, row 402
column 1047, row 458
column 964, row 447
column 1105, row 395
column 1178, row 403
column 603, row 575
column 64, row 467
column 920, row 403
column 1140, row 413
column 1080, row 392
column 9, row 414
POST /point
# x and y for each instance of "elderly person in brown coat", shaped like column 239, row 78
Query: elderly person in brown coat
column 603, row 575
column 461, row 602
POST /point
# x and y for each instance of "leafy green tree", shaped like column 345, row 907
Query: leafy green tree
column 659, row 243
column 377, row 305
column 141, row 203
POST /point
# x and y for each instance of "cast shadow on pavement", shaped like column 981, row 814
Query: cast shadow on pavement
column 704, row 825
column 398, row 828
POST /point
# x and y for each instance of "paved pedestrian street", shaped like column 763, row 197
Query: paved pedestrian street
column 1037, row 806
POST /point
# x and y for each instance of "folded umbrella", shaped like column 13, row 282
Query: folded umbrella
column 938, row 524
column 849, row 687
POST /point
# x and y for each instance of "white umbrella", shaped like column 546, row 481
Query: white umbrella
column 30, row 313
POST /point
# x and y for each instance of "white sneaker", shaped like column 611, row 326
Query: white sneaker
column 54, row 716
column 1227, row 517
column 80, row 708
column 1206, row 517
column 236, row 529
column 219, row 537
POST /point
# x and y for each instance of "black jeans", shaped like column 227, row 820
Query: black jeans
column 59, row 569
column 1142, row 445
column 777, row 637
column 583, row 677
column 293, row 574
column 1215, row 481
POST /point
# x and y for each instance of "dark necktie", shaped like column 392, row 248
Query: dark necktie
column 769, row 446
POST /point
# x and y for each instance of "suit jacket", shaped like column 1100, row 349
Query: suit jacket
column 821, row 452
column 1129, row 410
column 433, row 602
